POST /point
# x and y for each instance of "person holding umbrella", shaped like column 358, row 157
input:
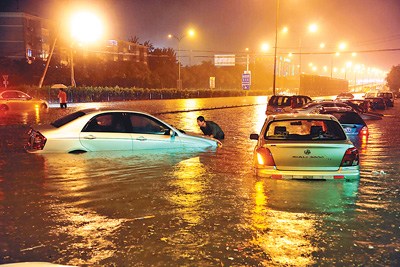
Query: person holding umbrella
column 62, row 96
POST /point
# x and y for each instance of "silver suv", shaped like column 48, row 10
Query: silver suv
column 286, row 104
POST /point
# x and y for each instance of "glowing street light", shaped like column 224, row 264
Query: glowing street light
column 189, row 33
column 342, row 46
column 264, row 47
column 85, row 27
column 312, row 28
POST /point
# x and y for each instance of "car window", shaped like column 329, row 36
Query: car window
column 10, row 95
column 387, row 95
column 107, row 122
column 144, row 124
column 304, row 130
column 68, row 118
column 279, row 101
column 312, row 104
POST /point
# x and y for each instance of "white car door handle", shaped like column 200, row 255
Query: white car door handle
column 141, row 138
column 89, row 137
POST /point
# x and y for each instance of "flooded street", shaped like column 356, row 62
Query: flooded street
column 196, row 207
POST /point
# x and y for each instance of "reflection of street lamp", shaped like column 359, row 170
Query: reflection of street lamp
column 179, row 38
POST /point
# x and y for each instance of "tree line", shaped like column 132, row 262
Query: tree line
column 161, row 72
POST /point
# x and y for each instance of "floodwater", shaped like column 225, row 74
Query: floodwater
column 195, row 208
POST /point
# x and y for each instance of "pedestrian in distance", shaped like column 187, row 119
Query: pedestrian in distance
column 62, row 96
column 210, row 128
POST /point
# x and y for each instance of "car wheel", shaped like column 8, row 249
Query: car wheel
column 3, row 107
column 43, row 106
column 77, row 151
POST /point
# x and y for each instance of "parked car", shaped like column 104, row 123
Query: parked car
column 314, row 107
column 371, row 93
column 304, row 146
column 18, row 100
column 388, row 97
column 106, row 130
column 344, row 96
column 286, row 104
column 376, row 103
column 350, row 120
column 362, row 106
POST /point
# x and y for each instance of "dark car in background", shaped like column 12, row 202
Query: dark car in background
column 313, row 107
column 344, row 96
column 388, row 97
column 351, row 121
column 286, row 104
column 376, row 103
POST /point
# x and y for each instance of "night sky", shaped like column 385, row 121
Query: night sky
column 230, row 26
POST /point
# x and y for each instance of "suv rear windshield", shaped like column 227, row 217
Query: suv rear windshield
column 286, row 101
column 386, row 95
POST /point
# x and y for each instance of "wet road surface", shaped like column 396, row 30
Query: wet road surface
column 195, row 208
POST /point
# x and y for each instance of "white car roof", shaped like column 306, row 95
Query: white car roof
column 301, row 116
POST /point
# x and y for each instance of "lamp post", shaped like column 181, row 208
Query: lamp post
column 311, row 28
column 85, row 28
column 247, row 60
column 179, row 39
column 276, row 46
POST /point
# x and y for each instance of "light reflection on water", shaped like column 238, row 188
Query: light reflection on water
column 282, row 234
column 197, row 208
column 188, row 190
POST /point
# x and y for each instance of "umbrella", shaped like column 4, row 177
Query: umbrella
column 59, row 85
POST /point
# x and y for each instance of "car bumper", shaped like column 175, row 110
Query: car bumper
column 349, row 173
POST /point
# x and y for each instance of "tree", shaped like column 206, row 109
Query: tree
column 134, row 39
column 150, row 46
column 393, row 78
column 162, row 64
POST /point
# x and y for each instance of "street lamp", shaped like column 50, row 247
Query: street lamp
column 311, row 28
column 247, row 60
column 85, row 28
column 276, row 46
column 189, row 33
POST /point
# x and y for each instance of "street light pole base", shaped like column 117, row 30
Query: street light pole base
column 179, row 84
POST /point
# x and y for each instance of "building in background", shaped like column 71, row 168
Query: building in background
column 119, row 50
column 23, row 35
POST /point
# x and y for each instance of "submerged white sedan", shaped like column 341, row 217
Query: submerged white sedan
column 110, row 130
column 304, row 146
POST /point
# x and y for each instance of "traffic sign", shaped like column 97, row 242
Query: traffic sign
column 246, row 81
column 5, row 80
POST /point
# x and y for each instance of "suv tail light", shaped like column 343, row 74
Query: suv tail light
column 350, row 158
column 364, row 131
column 264, row 157
column 36, row 140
